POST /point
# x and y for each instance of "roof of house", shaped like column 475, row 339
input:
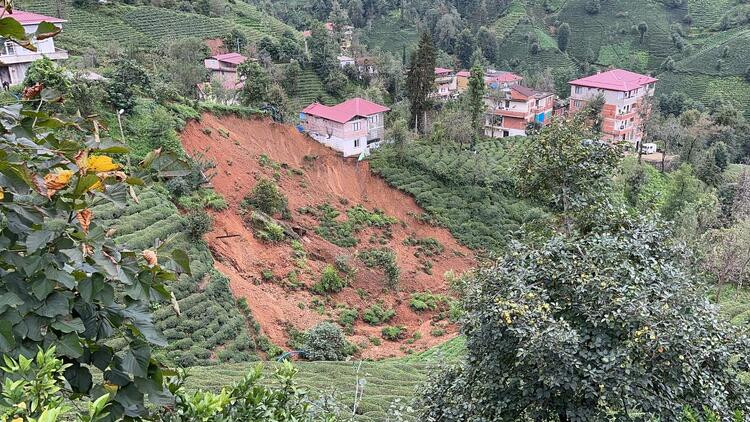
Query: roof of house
column 442, row 71
column 502, row 77
column 464, row 74
column 526, row 92
column 615, row 80
column 344, row 112
column 29, row 18
column 345, row 59
column 233, row 58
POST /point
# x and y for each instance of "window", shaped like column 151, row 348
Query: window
column 356, row 143
column 580, row 90
column 356, row 126
column 8, row 49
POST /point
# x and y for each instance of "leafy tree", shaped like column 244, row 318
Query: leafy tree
column 256, row 83
column 642, row 29
column 593, row 7
column 292, row 73
column 747, row 74
column 289, row 49
column 270, row 46
column 567, row 170
column 356, row 13
column 475, row 100
column 47, row 73
column 673, row 103
column 183, row 64
column 487, row 42
column 535, row 48
column 235, row 41
column 266, row 197
column 335, row 83
column 125, row 82
column 611, row 325
column 465, row 46
column 323, row 51
column 326, row 341
column 60, row 269
column 420, row 81
column 563, row 37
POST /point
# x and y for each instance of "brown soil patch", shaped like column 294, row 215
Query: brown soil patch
column 327, row 178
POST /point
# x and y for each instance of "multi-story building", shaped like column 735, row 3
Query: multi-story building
column 445, row 83
column 224, row 68
column 16, row 60
column 352, row 127
column 624, row 96
column 512, row 107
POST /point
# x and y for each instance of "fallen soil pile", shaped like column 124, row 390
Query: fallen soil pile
column 277, row 278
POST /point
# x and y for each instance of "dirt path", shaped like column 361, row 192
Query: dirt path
column 311, row 174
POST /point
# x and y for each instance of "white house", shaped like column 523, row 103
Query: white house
column 345, row 61
column 15, row 60
column 353, row 127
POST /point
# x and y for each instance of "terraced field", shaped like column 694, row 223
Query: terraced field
column 148, row 27
column 512, row 17
column 388, row 34
column 310, row 88
column 706, row 13
column 211, row 328
column 734, row 89
column 731, row 47
column 517, row 47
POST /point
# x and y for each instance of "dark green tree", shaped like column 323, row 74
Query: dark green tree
column 126, row 80
column 475, row 100
column 593, row 6
column 256, row 83
column 235, row 41
column 563, row 37
column 487, row 42
column 323, row 51
column 613, row 325
column 642, row 30
column 465, row 46
column 420, row 81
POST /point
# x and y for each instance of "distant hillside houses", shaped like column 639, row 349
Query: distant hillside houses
column 512, row 108
column 16, row 60
column 353, row 127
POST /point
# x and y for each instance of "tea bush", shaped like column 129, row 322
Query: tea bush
column 330, row 281
column 326, row 341
column 377, row 314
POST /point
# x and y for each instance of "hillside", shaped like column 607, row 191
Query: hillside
column 145, row 27
column 344, row 214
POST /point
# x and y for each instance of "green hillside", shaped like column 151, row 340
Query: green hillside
column 144, row 27
column 211, row 328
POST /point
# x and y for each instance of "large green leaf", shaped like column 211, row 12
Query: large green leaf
column 46, row 30
column 136, row 359
column 69, row 345
column 7, row 340
column 9, row 299
column 183, row 260
column 11, row 29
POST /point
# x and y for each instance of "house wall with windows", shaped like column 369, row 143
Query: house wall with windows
column 352, row 127
column 625, row 99
column 511, row 108
column 16, row 60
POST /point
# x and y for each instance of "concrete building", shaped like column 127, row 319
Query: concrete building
column 352, row 127
column 624, row 96
column 512, row 107
column 446, row 84
column 224, row 68
column 16, row 60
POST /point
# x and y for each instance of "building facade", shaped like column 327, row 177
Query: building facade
column 224, row 68
column 625, row 94
column 512, row 107
column 353, row 127
column 16, row 60
column 445, row 84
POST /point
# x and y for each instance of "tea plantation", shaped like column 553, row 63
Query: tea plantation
column 143, row 27
column 470, row 194
column 211, row 327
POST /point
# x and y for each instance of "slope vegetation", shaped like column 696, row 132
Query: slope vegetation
column 347, row 217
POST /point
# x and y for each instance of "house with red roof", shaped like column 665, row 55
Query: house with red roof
column 445, row 84
column 494, row 79
column 223, row 67
column 353, row 127
column 16, row 60
column 512, row 107
column 624, row 95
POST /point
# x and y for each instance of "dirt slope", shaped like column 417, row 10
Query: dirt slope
column 236, row 146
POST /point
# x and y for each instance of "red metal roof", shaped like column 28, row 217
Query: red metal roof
column 615, row 80
column 344, row 112
column 233, row 58
column 464, row 74
column 442, row 71
column 29, row 18
column 503, row 77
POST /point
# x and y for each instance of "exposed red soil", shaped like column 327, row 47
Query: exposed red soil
column 235, row 145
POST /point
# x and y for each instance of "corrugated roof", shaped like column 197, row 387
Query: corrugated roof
column 344, row 112
column 234, row 58
column 615, row 80
column 29, row 18
column 442, row 71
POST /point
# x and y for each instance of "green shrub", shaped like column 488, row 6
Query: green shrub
column 271, row 233
column 393, row 333
column 437, row 332
column 426, row 301
column 330, row 281
column 266, row 197
column 203, row 198
column 267, row 275
column 377, row 314
column 46, row 72
column 348, row 316
column 198, row 223
column 427, row 246
column 385, row 259
column 326, row 341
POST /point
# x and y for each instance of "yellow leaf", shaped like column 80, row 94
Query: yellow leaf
column 2, row 194
column 100, row 163
column 56, row 181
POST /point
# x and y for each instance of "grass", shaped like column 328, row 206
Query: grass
column 386, row 383
column 391, row 35
column 734, row 89
column 706, row 13
column 736, row 42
